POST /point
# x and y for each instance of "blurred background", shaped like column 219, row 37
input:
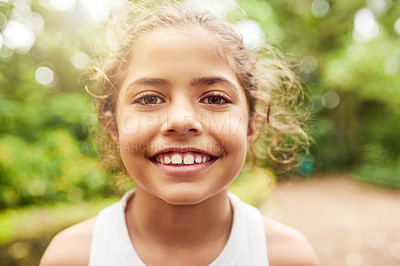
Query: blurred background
column 348, row 55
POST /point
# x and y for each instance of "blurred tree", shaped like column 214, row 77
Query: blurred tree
column 350, row 65
column 46, row 153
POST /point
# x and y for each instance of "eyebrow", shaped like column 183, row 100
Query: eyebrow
column 208, row 81
column 149, row 81
column 146, row 81
column 197, row 82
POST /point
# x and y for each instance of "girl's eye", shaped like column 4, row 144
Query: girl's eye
column 149, row 100
column 215, row 100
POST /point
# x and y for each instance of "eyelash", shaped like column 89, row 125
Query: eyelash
column 142, row 97
column 218, row 95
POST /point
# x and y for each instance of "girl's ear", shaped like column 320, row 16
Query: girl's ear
column 111, row 126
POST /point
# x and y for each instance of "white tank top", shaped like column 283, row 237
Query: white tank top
column 246, row 245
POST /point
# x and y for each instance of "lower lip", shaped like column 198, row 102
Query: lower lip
column 183, row 170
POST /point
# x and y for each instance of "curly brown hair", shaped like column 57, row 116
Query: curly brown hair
column 274, row 94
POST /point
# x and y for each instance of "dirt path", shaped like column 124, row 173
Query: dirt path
column 347, row 223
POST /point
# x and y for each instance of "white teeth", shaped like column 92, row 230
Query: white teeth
column 176, row 159
column 188, row 159
column 198, row 159
column 185, row 159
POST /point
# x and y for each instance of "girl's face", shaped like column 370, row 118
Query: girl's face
column 182, row 116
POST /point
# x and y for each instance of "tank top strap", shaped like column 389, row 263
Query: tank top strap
column 111, row 244
column 246, row 244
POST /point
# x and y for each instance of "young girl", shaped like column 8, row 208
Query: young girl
column 179, row 101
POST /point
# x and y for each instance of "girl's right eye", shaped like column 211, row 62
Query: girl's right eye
column 149, row 100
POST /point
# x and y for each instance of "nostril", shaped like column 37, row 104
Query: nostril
column 176, row 126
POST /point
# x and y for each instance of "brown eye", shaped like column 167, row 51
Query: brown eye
column 149, row 100
column 214, row 100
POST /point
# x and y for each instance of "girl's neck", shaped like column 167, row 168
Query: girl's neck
column 151, row 219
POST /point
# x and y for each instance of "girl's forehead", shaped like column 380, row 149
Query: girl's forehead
column 188, row 31
column 186, row 49
column 181, row 38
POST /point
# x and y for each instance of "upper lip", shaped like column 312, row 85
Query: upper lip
column 184, row 149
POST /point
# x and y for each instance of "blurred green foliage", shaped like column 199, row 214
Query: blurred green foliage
column 363, row 73
column 49, row 169
column 46, row 153
column 252, row 185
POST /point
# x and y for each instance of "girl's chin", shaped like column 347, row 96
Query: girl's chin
column 189, row 196
column 185, row 199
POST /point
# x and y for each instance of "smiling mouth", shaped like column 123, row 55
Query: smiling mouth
column 182, row 158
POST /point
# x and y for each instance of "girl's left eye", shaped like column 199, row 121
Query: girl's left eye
column 149, row 100
column 215, row 100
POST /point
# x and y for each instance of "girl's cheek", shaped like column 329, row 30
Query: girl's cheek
column 137, row 123
column 231, row 123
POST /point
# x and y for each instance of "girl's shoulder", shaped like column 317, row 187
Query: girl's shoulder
column 71, row 246
column 287, row 246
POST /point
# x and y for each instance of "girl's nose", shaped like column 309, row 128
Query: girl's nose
column 181, row 120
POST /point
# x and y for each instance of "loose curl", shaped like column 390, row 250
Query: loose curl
column 274, row 95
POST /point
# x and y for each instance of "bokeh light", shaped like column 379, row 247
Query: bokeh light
column 19, row 250
column 80, row 60
column 307, row 66
column 330, row 100
column 44, row 75
column 365, row 26
column 379, row 7
column 253, row 36
column 18, row 36
column 36, row 21
column 99, row 10
column 219, row 8
column 320, row 8
column 316, row 103
column 21, row 10
column 309, row 63
column 397, row 26
column 62, row 5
